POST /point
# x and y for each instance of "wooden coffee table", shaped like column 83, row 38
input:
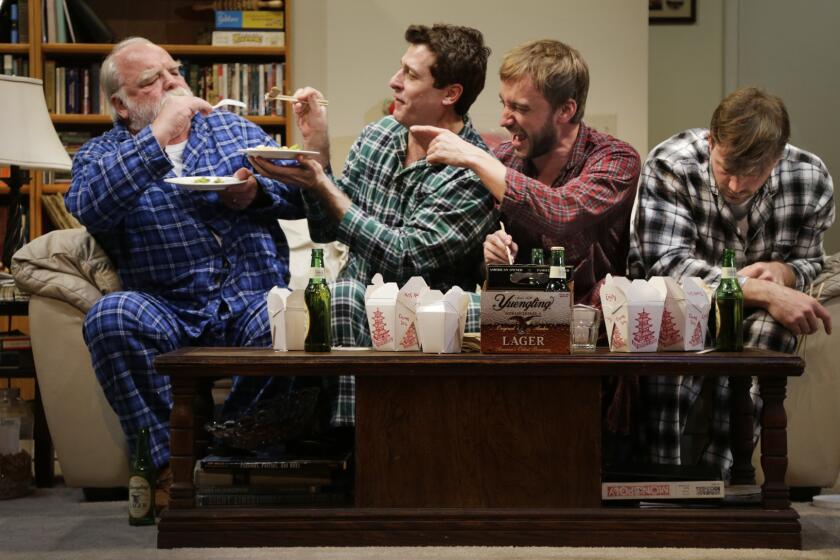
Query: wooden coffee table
column 476, row 449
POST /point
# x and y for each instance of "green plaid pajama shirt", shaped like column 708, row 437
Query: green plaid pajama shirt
column 420, row 220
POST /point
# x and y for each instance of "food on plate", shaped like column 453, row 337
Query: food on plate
column 207, row 180
column 264, row 147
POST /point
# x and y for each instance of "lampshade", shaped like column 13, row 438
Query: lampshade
column 28, row 138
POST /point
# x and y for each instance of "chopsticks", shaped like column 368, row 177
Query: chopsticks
column 276, row 95
column 507, row 249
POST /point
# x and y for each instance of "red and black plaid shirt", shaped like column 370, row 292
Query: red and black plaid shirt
column 586, row 209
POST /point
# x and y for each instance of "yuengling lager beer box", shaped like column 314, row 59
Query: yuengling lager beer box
column 524, row 319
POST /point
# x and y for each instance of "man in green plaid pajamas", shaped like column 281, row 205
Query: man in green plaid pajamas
column 398, row 214
column 738, row 185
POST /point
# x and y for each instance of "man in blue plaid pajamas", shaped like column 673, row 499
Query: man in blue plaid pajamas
column 195, row 265
column 738, row 185
column 398, row 214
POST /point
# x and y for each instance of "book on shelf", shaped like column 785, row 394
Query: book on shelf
column 14, row 65
column 669, row 490
column 277, row 498
column 276, row 462
column 249, row 19
column 87, row 26
column 248, row 38
column 235, row 477
column 15, row 340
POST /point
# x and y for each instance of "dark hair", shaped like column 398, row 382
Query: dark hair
column 460, row 58
column 753, row 126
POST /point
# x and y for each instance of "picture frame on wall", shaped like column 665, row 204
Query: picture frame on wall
column 672, row 11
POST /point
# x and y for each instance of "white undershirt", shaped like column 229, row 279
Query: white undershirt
column 741, row 214
column 176, row 156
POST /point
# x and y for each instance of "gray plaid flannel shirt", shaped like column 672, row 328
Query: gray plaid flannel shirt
column 680, row 229
column 420, row 220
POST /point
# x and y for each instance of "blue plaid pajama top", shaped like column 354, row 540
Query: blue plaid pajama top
column 161, row 237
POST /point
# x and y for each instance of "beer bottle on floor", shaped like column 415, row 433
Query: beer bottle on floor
column 141, row 483
column 317, row 298
column 557, row 271
column 729, row 307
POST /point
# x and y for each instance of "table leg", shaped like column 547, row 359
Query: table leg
column 775, row 494
column 182, row 442
column 741, row 429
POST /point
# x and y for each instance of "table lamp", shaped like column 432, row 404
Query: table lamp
column 28, row 141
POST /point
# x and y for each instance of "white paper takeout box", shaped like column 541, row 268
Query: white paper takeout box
column 441, row 319
column 288, row 317
column 391, row 313
column 685, row 315
column 632, row 314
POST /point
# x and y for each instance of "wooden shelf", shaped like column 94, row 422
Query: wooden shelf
column 24, row 190
column 51, row 188
column 102, row 49
column 14, row 48
column 105, row 120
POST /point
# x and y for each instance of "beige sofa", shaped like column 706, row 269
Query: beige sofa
column 65, row 272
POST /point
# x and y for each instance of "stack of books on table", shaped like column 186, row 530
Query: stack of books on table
column 266, row 480
column 679, row 483
column 249, row 28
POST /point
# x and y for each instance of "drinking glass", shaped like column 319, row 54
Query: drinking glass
column 586, row 321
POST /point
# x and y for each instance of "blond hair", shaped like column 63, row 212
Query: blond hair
column 753, row 126
column 556, row 70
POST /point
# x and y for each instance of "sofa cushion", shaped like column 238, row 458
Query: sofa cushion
column 65, row 264
column 827, row 284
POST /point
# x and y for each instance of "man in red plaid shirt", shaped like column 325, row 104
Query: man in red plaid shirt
column 557, row 181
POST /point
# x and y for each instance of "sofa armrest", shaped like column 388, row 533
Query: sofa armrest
column 68, row 265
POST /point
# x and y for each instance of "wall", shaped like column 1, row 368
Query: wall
column 789, row 48
column 349, row 51
column 793, row 50
column 685, row 73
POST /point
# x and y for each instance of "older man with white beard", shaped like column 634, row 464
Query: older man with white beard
column 195, row 265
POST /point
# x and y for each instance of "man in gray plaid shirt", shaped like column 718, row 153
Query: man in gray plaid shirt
column 398, row 214
column 738, row 185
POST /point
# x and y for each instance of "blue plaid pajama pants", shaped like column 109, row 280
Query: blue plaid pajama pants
column 124, row 332
column 666, row 401
column 350, row 328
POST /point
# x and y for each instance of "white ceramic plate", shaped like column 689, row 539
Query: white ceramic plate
column 204, row 183
column 827, row 501
column 277, row 153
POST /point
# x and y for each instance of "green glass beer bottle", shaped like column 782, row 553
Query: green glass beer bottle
column 317, row 298
column 141, row 483
column 729, row 307
column 557, row 272
column 537, row 257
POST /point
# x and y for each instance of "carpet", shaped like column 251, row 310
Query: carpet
column 57, row 524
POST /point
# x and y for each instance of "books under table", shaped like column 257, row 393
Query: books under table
column 239, row 477
column 278, row 462
column 266, row 480
column 644, row 482
column 668, row 490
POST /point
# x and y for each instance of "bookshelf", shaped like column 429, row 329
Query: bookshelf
column 172, row 24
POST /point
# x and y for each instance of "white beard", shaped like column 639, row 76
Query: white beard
column 141, row 115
